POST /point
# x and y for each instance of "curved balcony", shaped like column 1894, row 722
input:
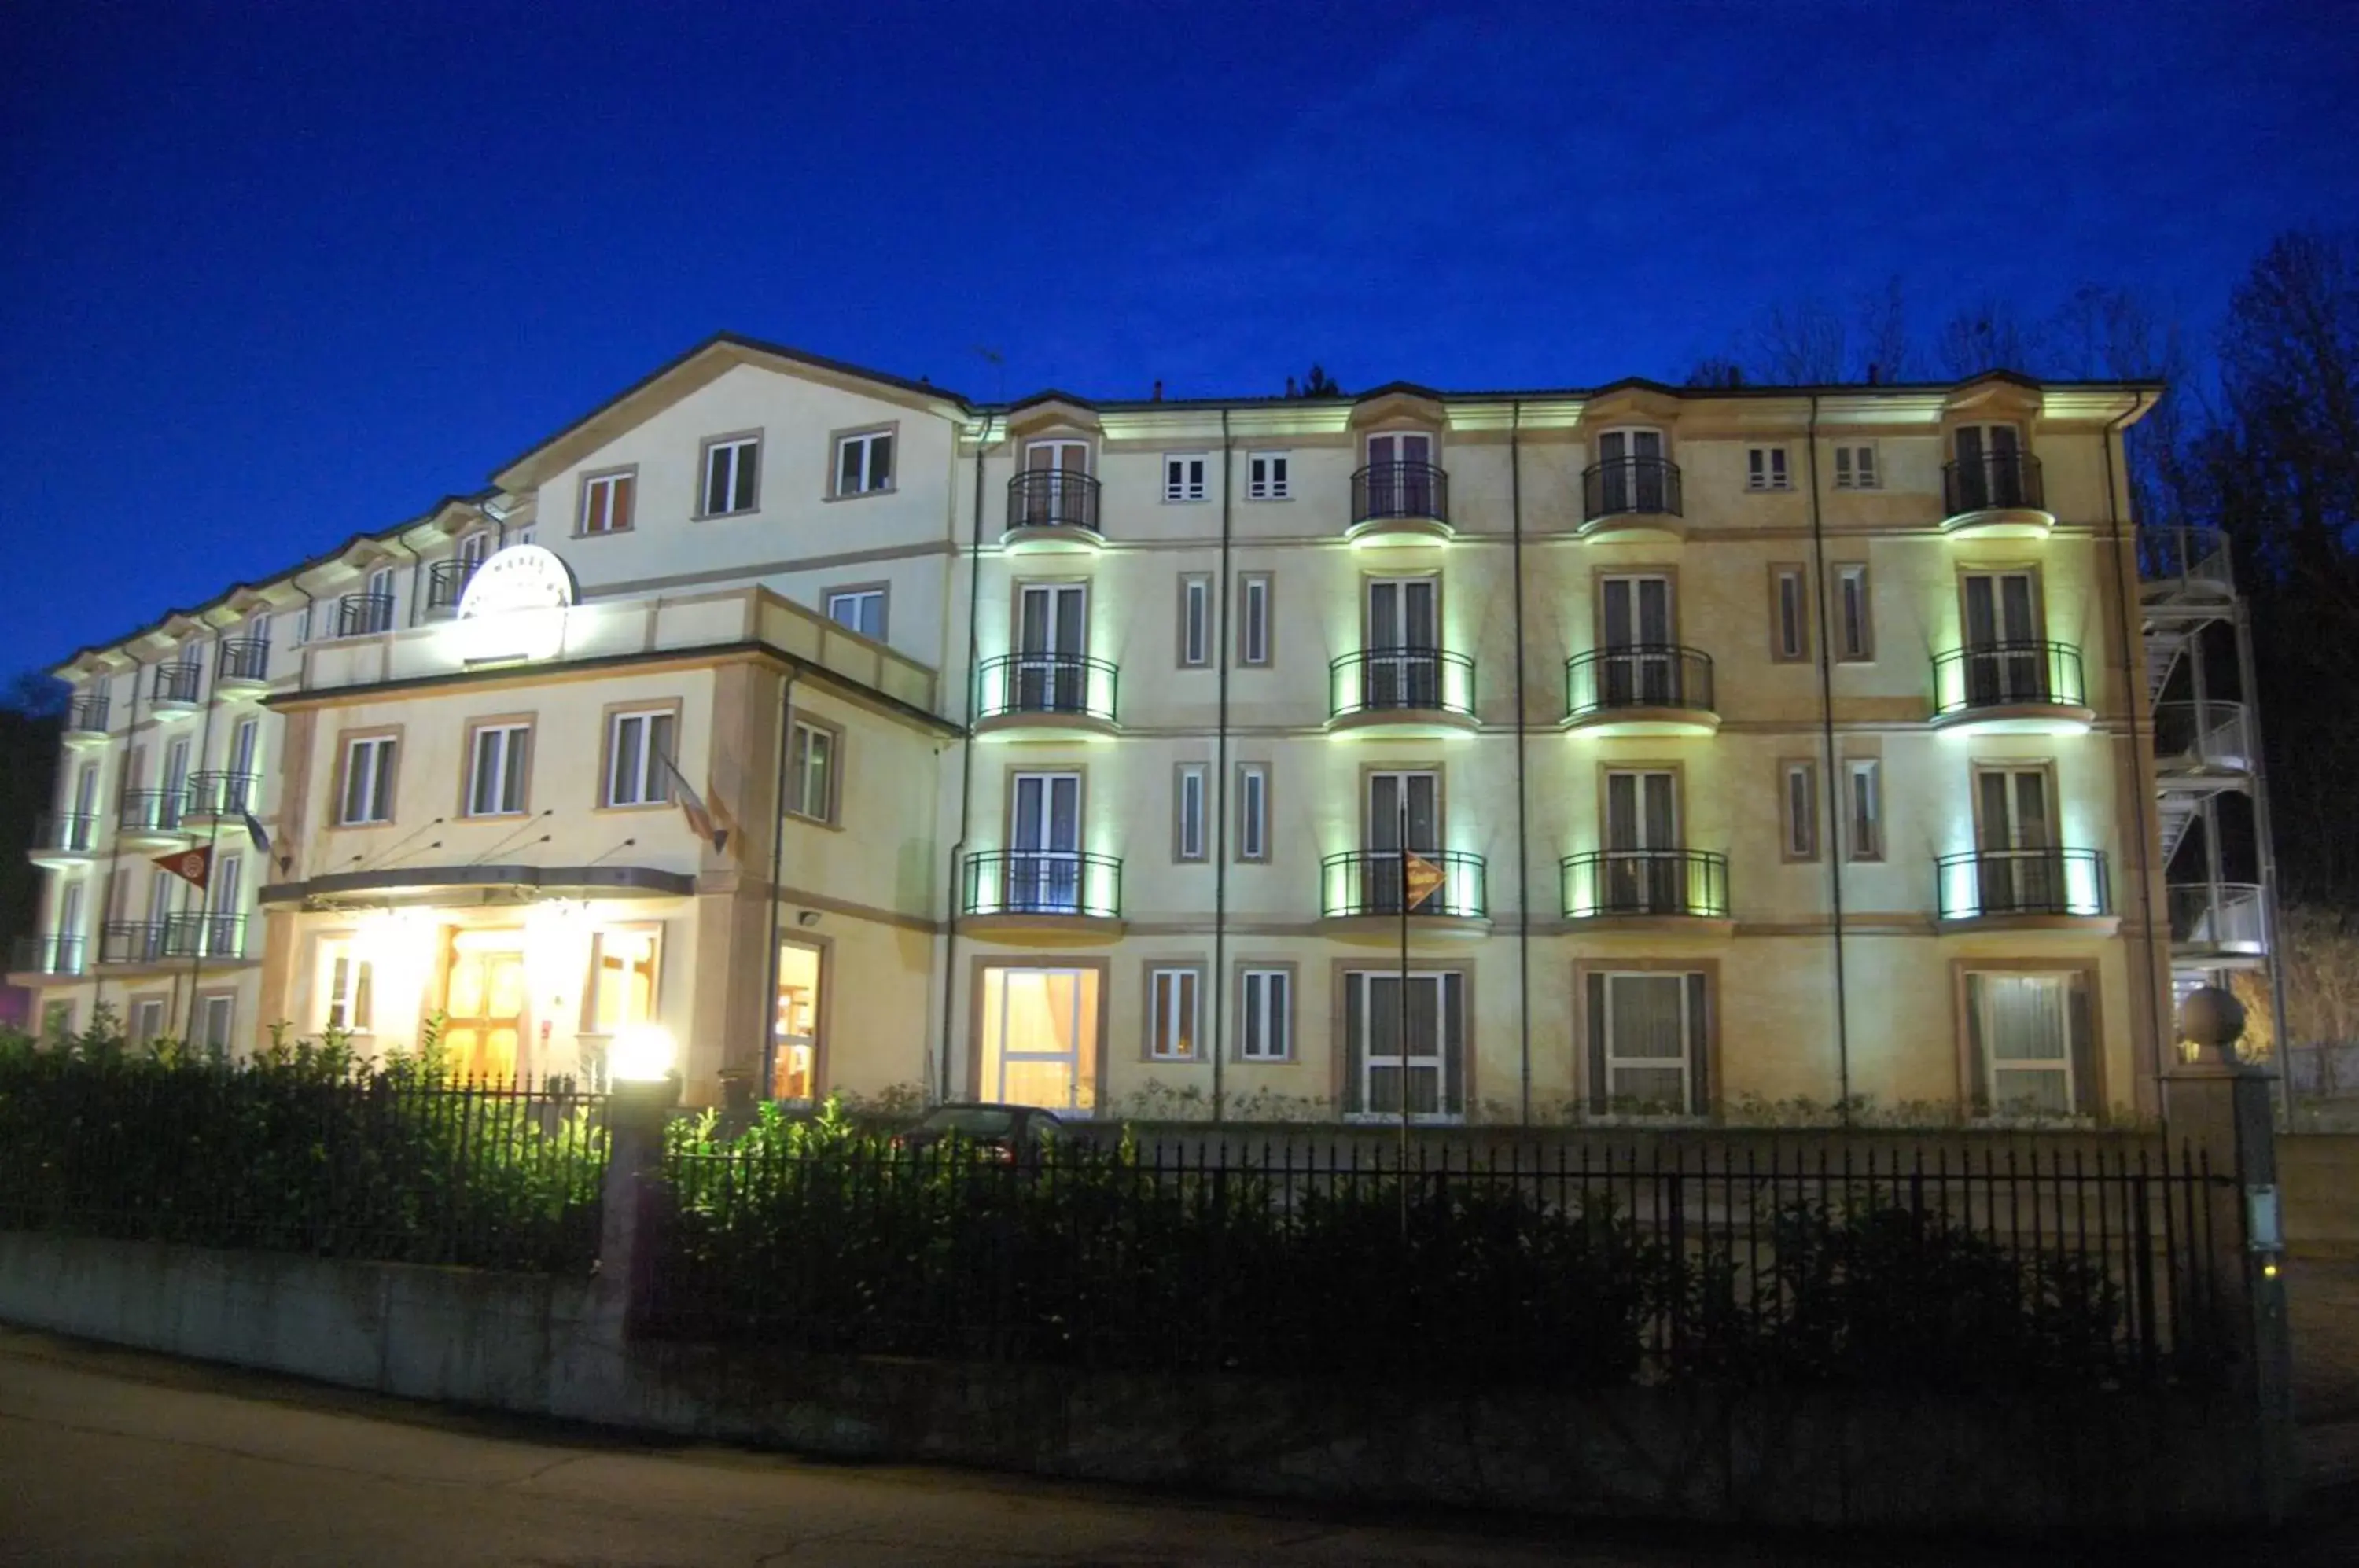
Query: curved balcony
column 244, row 665
column 1044, row 694
column 1406, row 691
column 1637, row 497
column 48, row 955
column 2184, row 566
column 204, row 935
column 1361, row 893
column 2011, row 688
column 64, row 838
column 151, row 816
column 2199, row 741
column 2218, row 925
column 1052, row 509
column 363, row 615
column 1640, row 689
column 446, row 582
column 223, row 797
column 86, row 720
column 1399, row 503
column 179, row 688
column 2024, row 888
column 1995, row 495
column 132, row 941
column 1041, row 894
column 1646, row 887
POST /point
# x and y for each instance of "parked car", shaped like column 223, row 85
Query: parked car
column 1005, row 1133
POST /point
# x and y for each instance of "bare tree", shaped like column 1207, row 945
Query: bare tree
column 1799, row 344
column 1885, row 351
column 1717, row 370
column 1988, row 335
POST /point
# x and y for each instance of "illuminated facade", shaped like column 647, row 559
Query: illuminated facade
column 1746, row 746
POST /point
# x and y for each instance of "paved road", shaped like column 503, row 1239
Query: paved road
column 110, row 1457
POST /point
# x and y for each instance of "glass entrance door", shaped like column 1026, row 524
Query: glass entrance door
column 483, row 1001
column 1039, row 1043
column 793, row 1053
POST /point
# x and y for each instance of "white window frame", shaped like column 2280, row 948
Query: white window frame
column 1615, row 1063
column 1265, row 1013
column 652, row 785
column 598, row 493
column 1767, row 468
column 862, row 446
column 1195, row 620
column 858, row 599
column 2062, row 1064
column 1175, row 1012
column 1191, row 786
column 1185, row 478
column 744, row 474
column 366, row 796
column 1798, row 809
column 1857, row 466
column 510, row 745
column 1253, row 598
column 147, row 1020
column 1253, row 811
column 1855, row 615
column 1269, row 476
column 810, row 739
column 1863, row 808
column 347, row 987
column 224, row 1004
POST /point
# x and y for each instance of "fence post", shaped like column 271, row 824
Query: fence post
column 636, row 1198
column 2218, row 1105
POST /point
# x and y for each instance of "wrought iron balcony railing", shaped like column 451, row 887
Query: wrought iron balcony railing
column 244, row 660
column 151, row 811
column 131, row 942
column 1619, row 485
column 1068, row 683
column 1052, row 498
column 86, row 715
column 1043, row 882
column 65, row 832
column 217, row 794
column 2008, row 675
column 1638, row 675
column 1996, row 480
column 204, row 935
column 181, row 683
column 1383, row 490
column 363, row 615
column 445, row 581
column 1981, row 883
column 1369, row 882
column 1645, row 882
column 1423, row 679
column 49, row 954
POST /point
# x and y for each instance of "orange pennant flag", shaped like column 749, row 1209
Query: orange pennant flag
column 191, row 866
column 1424, row 877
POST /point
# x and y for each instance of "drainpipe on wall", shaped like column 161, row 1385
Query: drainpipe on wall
column 1220, row 618
column 1836, row 846
column 966, row 774
column 1523, row 840
column 107, row 912
column 212, row 843
column 777, row 874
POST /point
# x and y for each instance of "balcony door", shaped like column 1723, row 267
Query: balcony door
column 1057, row 495
column 223, row 890
column 1640, row 667
column 241, row 794
column 1630, row 472
column 1404, row 1040
column 1642, row 836
column 1051, row 622
column 175, row 784
column 2004, row 661
column 1044, row 836
column 1402, row 668
column 64, row 956
column 85, row 808
column 2015, row 827
column 1990, row 467
column 1401, row 474
column 1404, row 811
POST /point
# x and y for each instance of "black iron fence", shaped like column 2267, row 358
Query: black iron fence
column 1439, row 1263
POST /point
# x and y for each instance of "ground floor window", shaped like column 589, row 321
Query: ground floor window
column 794, row 1029
column 214, row 1015
column 146, row 1022
column 1403, row 1037
column 346, row 988
column 1647, row 1033
column 57, row 1021
column 622, row 979
column 2029, row 1036
column 1040, row 1037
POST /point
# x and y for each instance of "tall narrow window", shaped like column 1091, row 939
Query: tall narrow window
column 146, row 1022
column 622, row 980
column 731, row 470
column 347, row 983
column 1856, row 468
column 1789, row 608
column 1253, row 811
column 1765, row 468
column 1188, row 811
column 605, row 508
column 1174, row 998
column 1265, row 1001
column 1855, row 626
column 214, row 1023
column 1865, row 809
column 369, row 780
column 1183, row 477
column 811, row 772
column 863, row 463
column 496, row 770
column 1252, row 620
column 1266, row 476
column 633, row 743
column 1195, row 620
column 1798, row 783
column 862, row 609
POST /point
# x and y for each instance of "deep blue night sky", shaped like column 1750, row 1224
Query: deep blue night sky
column 273, row 273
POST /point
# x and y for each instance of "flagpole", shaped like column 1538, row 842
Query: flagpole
column 1403, row 991
column 197, row 948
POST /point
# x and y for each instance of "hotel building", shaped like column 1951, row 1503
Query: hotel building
column 1704, row 749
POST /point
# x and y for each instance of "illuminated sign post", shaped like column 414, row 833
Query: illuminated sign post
column 514, row 606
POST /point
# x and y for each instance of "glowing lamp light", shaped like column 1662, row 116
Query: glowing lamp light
column 642, row 1054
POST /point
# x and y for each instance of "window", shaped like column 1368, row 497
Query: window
column 1647, row 1041
column 1865, row 809
column 1266, row 476
column 476, row 548
column 1040, row 1044
column 1266, row 1003
column 1173, row 1001
column 1404, row 1038
column 1799, row 799
column 367, row 793
column 146, row 1022
column 350, row 985
column 1195, row 620
column 214, row 1017
column 633, row 743
column 2029, row 1036
column 1856, row 468
column 606, row 510
column 1252, row 620
column 731, row 468
column 1188, row 811
column 300, row 622
column 57, row 1022
column 1789, row 635
column 1855, row 626
column 622, row 990
column 862, row 609
column 380, row 589
column 1253, row 811
column 1183, row 477
column 496, row 770
column 810, row 771
column 1765, row 468
column 863, row 463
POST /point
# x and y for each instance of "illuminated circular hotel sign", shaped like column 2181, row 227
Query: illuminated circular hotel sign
column 521, row 577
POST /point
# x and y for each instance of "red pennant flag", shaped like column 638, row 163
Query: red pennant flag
column 191, row 866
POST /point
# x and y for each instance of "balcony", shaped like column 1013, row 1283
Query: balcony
column 1403, row 690
column 203, row 935
column 2195, row 742
column 48, row 955
column 1399, row 503
column 2184, row 566
column 1044, row 695
column 152, row 816
column 1640, row 689
column 2035, row 889
column 179, row 689
column 446, row 584
column 363, row 615
column 86, row 721
column 64, row 838
column 1360, row 895
column 131, row 942
column 1998, row 495
column 220, row 796
column 1052, row 509
column 1042, row 895
column 1647, row 887
column 2011, row 688
column 1634, row 498
column 2218, row 925
column 244, row 665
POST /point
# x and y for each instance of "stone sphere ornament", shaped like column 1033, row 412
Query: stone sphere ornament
column 2213, row 1020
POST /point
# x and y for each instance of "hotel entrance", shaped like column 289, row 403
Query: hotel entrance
column 483, row 1000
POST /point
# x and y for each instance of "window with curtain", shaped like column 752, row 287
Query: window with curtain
column 2029, row 1033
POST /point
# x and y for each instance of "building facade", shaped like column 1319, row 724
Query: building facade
column 1628, row 752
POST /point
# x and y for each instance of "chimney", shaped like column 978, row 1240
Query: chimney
column 1158, row 388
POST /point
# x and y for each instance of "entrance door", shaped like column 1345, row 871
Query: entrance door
column 1044, row 861
column 2004, row 662
column 483, row 1001
column 794, row 1049
column 1990, row 467
column 1403, row 1035
column 1055, row 493
column 1642, row 836
column 1049, row 641
column 1641, row 668
column 1401, row 474
column 1040, row 1044
column 1380, row 870
column 1630, row 472
column 1403, row 665
column 2020, row 868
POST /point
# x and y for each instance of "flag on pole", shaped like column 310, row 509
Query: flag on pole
column 692, row 807
column 191, row 866
column 1422, row 876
